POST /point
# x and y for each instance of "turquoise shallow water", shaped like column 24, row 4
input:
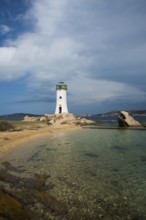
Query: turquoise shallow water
column 97, row 173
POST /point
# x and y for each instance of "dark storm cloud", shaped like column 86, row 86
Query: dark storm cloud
column 97, row 47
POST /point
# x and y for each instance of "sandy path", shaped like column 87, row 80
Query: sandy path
column 9, row 140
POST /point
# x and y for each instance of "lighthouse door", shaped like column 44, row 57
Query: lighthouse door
column 60, row 110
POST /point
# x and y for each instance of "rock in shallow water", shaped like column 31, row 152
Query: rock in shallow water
column 55, row 206
column 91, row 155
column 10, row 208
column 8, row 166
column 125, row 120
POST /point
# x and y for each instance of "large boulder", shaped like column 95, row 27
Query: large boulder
column 32, row 119
column 125, row 120
column 49, row 117
column 84, row 121
column 43, row 119
column 64, row 118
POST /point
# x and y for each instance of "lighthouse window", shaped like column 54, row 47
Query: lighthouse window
column 60, row 97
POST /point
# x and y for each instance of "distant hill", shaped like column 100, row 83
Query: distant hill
column 131, row 112
column 116, row 112
column 17, row 116
column 138, row 112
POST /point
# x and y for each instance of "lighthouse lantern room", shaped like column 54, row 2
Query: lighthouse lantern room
column 61, row 98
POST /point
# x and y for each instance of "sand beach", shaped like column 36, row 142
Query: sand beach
column 10, row 140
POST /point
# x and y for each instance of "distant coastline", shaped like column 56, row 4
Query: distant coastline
column 115, row 113
column 17, row 116
column 111, row 118
column 20, row 116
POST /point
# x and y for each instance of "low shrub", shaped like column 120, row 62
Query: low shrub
column 6, row 126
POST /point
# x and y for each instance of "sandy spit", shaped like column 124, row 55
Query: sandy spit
column 10, row 140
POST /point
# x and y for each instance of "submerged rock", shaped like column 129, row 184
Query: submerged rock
column 92, row 155
column 143, row 158
column 125, row 120
column 8, row 166
column 55, row 206
column 10, row 208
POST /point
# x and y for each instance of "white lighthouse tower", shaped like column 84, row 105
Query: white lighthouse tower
column 61, row 98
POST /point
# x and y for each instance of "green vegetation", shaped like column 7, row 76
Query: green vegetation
column 21, row 125
column 31, row 125
column 6, row 126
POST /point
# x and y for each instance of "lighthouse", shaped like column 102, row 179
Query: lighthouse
column 61, row 98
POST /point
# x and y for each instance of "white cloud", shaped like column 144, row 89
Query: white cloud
column 4, row 29
column 6, row 55
column 63, row 47
column 48, row 14
column 89, row 91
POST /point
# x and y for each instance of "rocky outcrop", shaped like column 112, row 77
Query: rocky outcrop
column 27, row 118
column 11, row 208
column 125, row 120
column 84, row 121
column 58, row 119
column 64, row 118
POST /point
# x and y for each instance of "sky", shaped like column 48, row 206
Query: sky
column 97, row 47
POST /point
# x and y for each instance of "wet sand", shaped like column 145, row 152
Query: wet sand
column 11, row 140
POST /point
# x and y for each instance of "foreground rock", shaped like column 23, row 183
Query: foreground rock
column 27, row 198
column 11, row 208
column 125, row 120
column 64, row 118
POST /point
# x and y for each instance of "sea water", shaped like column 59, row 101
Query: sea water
column 96, row 173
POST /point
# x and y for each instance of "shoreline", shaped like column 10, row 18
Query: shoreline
column 11, row 140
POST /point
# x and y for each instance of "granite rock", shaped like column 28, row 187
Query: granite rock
column 58, row 119
column 125, row 120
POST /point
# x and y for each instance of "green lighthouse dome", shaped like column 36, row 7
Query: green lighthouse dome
column 61, row 85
